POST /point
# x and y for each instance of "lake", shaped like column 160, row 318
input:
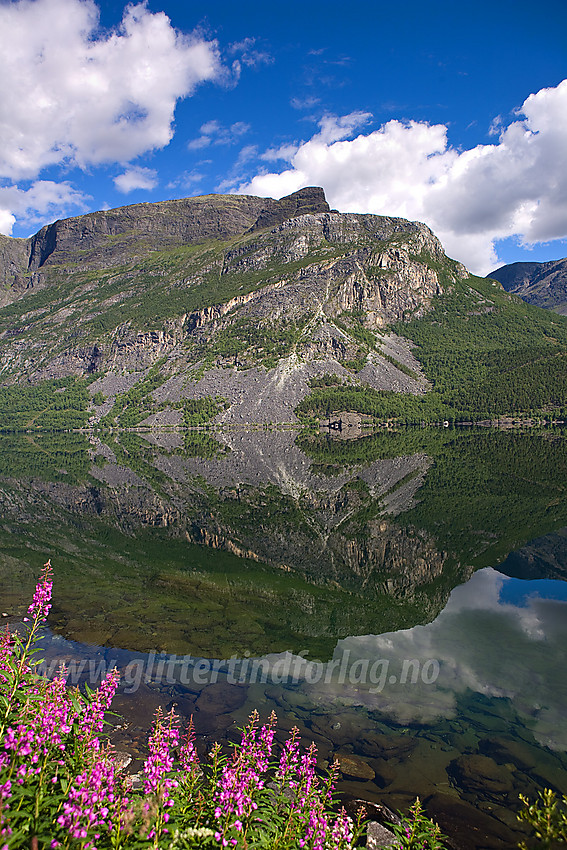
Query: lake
column 401, row 598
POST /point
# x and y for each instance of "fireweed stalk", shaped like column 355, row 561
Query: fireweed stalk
column 158, row 767
column 61, row 787
column 14, row 677
column 241, row 780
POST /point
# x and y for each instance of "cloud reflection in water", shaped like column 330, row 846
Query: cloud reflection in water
column 482, row 642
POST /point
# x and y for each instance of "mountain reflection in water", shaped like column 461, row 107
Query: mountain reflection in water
column 366, row 568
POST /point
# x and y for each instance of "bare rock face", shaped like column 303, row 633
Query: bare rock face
column 113, row 234
column 14, row 258
column 309, row 200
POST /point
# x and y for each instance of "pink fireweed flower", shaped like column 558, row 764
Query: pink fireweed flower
column 317, row 826
column 92, row 720
column 341, row 833
column 188, row 756
column 333, row 774
column 41, row 603
column 242, row 776
column 41, row 734
column 19, row 657
column 55, row 715
column 306, row 771
column 6, row 641
column 165, row 736
column 92, row 801
column 20, row 741
column 5, row 829
column 289, row 760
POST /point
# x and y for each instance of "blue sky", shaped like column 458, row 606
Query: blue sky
column 450, row 113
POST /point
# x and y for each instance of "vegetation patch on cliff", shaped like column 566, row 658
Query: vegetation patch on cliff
column 57, row 405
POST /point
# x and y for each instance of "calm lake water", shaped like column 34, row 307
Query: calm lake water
column 400, row 598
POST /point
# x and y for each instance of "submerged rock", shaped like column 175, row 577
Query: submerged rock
column 354, row 767
column 468, row 827
column 221, row 698
column 386, row 746
column 508, row 751
column 481, row 776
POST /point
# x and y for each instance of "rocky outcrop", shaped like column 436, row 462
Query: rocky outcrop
column 364, row 263
column 14, row 276
column 309, row 200
column 211, row 316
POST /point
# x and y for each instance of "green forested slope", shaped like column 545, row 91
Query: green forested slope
column 53, row 405
column 486, row 353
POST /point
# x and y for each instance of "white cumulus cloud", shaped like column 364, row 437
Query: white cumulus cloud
column 136, row 178
column 7, row 222
column 472, row 198
column 43, row 199
column 70, row 93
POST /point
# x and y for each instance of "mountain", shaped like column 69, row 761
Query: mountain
column 231, row 308
column 542, row 284
column 542, row 558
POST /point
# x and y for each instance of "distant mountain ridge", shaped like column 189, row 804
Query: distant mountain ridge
column 541, row 284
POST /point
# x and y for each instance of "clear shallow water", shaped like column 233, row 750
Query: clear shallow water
column 334, row 584
column 467, row 712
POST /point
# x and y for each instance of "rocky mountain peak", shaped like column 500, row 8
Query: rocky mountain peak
column 113, row 237
column 309, row 200
column 542, row 284
column 184, row 221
